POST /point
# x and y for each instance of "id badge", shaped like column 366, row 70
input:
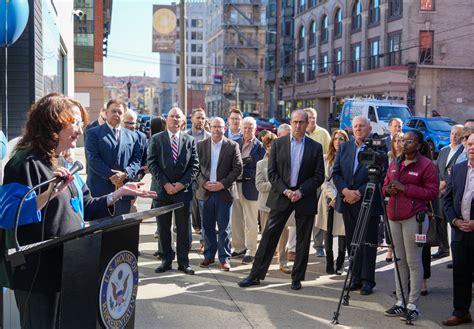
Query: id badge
column 420, row 238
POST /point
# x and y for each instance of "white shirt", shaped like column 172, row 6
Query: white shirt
column 468, row 194
column 215, row 151
column 452, row 151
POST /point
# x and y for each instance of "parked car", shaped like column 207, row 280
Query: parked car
column 263, row 124
column 435, row 130
column 141, row 121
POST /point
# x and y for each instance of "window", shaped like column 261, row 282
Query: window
column 177, row 60
column 239, row 64
column 312, row 69
column 312, row 3
column 373, row 59
column 338, row 23
column 301, row 69
column 196, row 48
column 301, row 38
column 412, row 123
column 302, row 6
column 356, row 17
column 324, row 29
column 337, row 61
column 288, row 30
column 426, row 47
column 355, row 58
column 196, row 35
column 323, row 65
column 394, row 54
column 196, row 23
column 312, row 34
column 394, row 9
column 427, row 5
column 374, row 12
column 196, row 60
column 177, row 72
column 196, row 72
column 233, row 16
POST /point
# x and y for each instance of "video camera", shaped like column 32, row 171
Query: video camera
column 375, row 153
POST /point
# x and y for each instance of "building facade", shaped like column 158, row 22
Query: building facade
column 92, row 26
column 39, row 62
column 394, row 48
column 236, row 51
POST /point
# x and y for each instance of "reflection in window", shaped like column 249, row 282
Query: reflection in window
column 84, row 36
column 312, row 69
column 324, row 29
column 355, row 58
column 323, row 67
column 338, row 23
column 337, row 61
column 312, row 34
column 356, row 17
column 374, row 11
column 373, row 60
column 301, row 36
column 394, row 8
column 393, row 49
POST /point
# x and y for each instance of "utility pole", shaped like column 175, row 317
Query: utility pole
column 182, row 58
column 237, row 91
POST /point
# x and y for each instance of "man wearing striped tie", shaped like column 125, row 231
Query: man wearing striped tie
column 172, row 160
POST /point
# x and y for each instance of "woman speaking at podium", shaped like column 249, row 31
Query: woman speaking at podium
column 53, row 127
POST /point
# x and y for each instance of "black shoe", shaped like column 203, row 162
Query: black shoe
column 450, row 265
column 165, row 266
column 296, row 284
column 238, row 253
column 186, row 269
column 366, row 290
column 355, row 286
column 440, row 254
column 249, row 281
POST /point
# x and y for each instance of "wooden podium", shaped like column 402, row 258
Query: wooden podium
column 99, row 270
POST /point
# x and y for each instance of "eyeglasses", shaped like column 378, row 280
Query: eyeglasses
column 407, row 141
column 76, row 122
column 464, row 138
column 217, row 127
column 129, row 123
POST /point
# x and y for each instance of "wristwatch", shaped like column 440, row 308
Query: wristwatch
column 110, row 199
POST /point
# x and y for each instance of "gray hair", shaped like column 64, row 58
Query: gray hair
column 283, row 127
column 250, row 120
column 360, row 117
column 312, row 110
column 130, row 114
column 460, row 127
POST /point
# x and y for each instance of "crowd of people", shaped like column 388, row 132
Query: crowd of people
column 300, row 185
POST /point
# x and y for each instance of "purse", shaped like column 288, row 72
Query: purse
column 432, row 234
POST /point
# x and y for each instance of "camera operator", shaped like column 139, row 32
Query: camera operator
column 411, row 181
column 351, row 178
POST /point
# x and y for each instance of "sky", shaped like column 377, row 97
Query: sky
column 129, row 46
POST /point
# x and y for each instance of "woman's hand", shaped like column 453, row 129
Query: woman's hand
column 53, row 189
column 397, row 185
column 133, row 189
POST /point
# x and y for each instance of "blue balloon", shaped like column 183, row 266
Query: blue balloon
column 18, row 12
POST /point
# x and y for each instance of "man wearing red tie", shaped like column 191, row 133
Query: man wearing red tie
column 173, row 162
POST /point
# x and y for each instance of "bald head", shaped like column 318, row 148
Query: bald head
column 175, row 120
column 299, row 123
column 217, row 129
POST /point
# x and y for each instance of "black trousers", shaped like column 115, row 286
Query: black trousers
column 441, row 225
column 364, row 264
column 270, row 237
column 181, row 217
column 463, row 266
column 328, row 237
column 40, row 310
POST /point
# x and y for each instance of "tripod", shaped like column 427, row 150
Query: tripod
column 358, row 239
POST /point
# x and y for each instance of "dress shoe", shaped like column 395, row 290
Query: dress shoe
column 186, row 269
column 249, row 281
column 450, row 265
column 454, row 320
column 296, row 284
column 247, row 260
column 291, row 256
column 440, row 254
column 366, row 290
column 165, row 266
column 225, row 266
column 355, row 286
column 238, row 253
column 206, row 262
column 285, row 269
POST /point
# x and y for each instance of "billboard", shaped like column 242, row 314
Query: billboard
column 164, row 29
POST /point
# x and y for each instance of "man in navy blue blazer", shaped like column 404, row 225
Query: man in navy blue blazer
column 459, row 210
column 351, row 178
column 244, row 209
column 113, row 155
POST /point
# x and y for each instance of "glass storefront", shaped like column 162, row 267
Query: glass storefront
column 84, row 36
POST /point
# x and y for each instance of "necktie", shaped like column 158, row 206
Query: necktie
column 174, row 147
column 116, row 133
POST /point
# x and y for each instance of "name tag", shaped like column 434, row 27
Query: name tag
column 413, row 173
column 420, row 238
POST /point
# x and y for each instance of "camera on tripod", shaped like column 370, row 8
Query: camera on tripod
column 374, row 157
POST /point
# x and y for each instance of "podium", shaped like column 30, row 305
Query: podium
column 99, row 270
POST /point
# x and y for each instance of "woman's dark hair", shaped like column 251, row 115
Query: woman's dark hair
column 157, row 125
column 418, row 135
column 424, row 149
column 48, row 116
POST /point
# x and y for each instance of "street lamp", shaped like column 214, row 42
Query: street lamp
column 129, row 86
column 334, row 104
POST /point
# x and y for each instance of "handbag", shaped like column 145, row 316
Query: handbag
column 432, row 234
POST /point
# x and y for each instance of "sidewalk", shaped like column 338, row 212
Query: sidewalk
column 212, row 299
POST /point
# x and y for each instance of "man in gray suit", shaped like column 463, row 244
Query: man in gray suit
column 446, row 160
column 173, row 162
column 220, row 166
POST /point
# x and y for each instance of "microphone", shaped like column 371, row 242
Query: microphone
column 76, row 166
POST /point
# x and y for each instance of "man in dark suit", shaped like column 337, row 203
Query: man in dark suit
column 244, row 209
column 459, row 209
column 351, row 178
column 395, row 126
column 296, row 171
column 446, row 159
column 113, row 156
column 174, row 164
column 221, row 164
